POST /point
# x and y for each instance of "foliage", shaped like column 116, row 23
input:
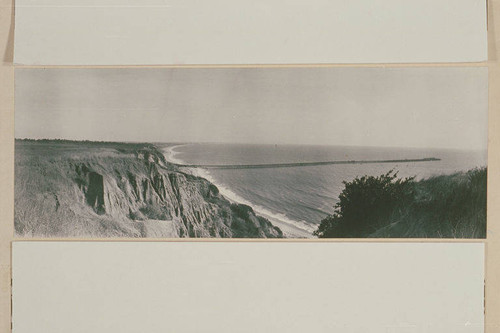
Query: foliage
column 364, row 205
column 447, row 206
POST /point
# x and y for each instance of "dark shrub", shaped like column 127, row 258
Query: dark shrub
column 241, row 210
column 446, row 206
column 365, row 205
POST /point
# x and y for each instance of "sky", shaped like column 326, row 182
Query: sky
column 431, row 107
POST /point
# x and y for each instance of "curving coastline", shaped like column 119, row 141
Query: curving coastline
column 70, row 189
column 290, row 228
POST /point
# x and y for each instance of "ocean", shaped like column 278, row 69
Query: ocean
column 296, row 199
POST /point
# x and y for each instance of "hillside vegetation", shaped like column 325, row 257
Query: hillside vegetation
column 87, row 189
column 448, row 206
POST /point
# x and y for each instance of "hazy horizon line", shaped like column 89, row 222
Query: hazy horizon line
column 251, row 143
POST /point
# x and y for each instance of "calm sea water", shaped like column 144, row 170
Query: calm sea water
column 296, row 199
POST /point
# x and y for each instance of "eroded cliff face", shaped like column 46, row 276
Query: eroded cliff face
column 161, row 201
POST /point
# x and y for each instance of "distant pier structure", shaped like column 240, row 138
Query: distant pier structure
column 302, row 164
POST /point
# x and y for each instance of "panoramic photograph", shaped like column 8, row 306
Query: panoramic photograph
column 301, row 153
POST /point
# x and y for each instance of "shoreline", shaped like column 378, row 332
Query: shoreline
column 289, row 229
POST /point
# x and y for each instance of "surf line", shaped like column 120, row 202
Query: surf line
column 300, row 164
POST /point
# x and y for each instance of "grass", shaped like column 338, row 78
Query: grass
column 48, row 200
column 106, row 189
column 446, row 206
column 452, row 206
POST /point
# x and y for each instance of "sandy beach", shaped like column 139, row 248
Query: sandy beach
column 289, row 230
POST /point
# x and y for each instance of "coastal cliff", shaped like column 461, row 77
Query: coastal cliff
column 121, row 190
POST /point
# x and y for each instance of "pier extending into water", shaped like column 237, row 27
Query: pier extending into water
column 301, row 164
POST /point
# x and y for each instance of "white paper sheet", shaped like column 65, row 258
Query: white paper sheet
column 247, row 287
column 121, row 32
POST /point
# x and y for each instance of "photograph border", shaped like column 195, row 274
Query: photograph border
column 492, row 286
